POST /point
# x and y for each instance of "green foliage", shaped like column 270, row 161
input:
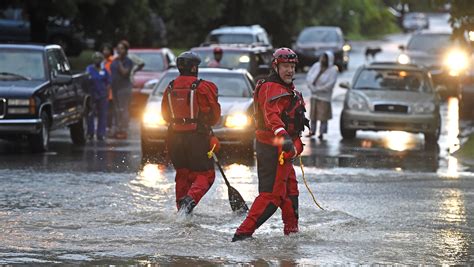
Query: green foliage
column 188, row 21
column 462, row 16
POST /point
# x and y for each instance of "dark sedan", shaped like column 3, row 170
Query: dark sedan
column 312, row 42
column 446, row 58
column 235, row 96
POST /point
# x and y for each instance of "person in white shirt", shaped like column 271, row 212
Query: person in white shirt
column 321, row 79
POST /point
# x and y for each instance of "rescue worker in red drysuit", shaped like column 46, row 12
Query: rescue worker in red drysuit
column 279, row 114
column 190, row 106
column 216, row 62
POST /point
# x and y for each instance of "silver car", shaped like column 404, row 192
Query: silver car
column 235, row 127
column 391, row 96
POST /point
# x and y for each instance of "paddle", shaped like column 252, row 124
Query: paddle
column 237, row 202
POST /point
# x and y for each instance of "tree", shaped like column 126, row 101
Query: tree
column 462, row 16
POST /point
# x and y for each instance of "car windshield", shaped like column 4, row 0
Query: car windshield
column 318, row 36
column 153, row 60
column 22, row 64
column 230, row 59
column 229, row 85
column 232, row 38
column 429, row 42
column 393, row 80
column 415, row 16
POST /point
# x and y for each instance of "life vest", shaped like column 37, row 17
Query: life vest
column 184, row 108
column 293, row 116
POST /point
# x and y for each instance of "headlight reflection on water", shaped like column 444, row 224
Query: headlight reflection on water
column 152, row 176
column 399, row 141
column 454, row 243
column 241, row 178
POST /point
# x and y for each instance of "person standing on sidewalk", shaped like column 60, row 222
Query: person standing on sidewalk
column 108, row 52
column 121, row 68
column 321, row 79
column 99, row 92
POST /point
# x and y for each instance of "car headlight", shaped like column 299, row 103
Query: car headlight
column 346, row 48
column 424, row 108
column 16, row 110
column 238, row 121
column 21, row 106
column 356, row 102
column 244, row 59
column 152, row 118
column 403, row 59
column 456, row 61
column 18, row 102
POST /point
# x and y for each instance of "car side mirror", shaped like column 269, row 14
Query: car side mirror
column 345, row 85
column 61, row 79
column 401, row 47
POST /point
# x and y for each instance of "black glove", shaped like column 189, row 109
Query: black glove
column 287, row 145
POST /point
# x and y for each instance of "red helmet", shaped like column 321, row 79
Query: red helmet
column 284, row 55
column 217, row 50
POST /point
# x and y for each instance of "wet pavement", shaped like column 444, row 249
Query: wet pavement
column 388, row 199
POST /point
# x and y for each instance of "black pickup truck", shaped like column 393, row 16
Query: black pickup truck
column 38, row 93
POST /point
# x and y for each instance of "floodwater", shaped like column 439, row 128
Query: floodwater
column 388, row 199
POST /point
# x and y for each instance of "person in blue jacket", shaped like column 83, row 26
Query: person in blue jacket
column 100, row 80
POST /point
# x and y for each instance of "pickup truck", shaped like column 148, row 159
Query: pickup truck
column 38, row 94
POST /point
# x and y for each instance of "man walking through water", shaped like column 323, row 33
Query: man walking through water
column 279, row 114
column 190, row 106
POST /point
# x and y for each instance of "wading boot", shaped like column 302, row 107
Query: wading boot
column 186, row 205
column 240, row 237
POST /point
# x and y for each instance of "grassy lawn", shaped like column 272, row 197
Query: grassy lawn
column 467, row 150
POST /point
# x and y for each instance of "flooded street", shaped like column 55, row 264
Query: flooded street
column 388, row 199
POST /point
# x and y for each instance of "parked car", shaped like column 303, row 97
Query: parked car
column 256, row 60
column 249, row 35
column 446, row 58
column 391, row 96
column 38, row 93
column 15, row 27
column 235, row 96
column 312, row 42
column 415, row 21
column 157, row 61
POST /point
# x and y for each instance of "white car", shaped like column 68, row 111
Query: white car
column 236, row 127
column 391, row 96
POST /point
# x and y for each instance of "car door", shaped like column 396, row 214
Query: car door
column 170, row 59
column 59, row 92
column 71, row 99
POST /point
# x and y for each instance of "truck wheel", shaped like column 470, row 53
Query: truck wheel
column 431, row 138
column 40, row 142
column 78, row 131
column 346, row 133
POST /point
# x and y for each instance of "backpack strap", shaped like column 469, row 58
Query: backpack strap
column 170, row 103
column 279, row 96
column 195, row 84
